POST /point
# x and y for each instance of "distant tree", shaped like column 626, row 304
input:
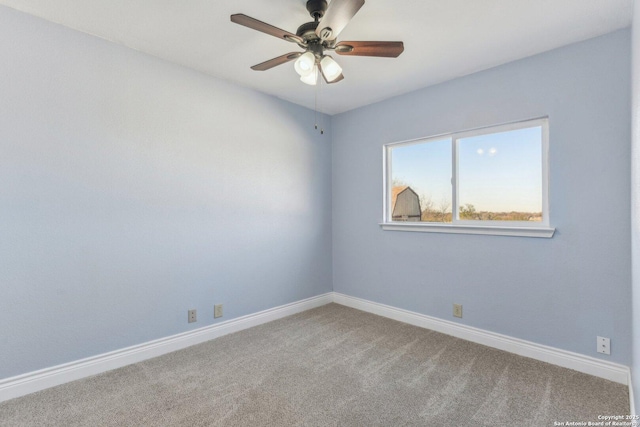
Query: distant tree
column 399, row 182
column 426, row 203
column 433, row 212
column 468, row 211
column 444, row 209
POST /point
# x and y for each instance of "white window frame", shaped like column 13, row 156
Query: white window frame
column 460, row 226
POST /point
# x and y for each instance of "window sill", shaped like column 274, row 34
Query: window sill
column 544, row 232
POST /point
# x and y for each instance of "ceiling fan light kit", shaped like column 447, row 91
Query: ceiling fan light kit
column 307, row 67
column 305, row 63
column 310, row 78
column 319, row 36
column 330, row 68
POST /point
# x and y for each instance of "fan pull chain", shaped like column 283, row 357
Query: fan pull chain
column 319, row 82
column 315, row 107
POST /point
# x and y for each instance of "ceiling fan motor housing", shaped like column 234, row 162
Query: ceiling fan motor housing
column 317, row 8
column 308, row 31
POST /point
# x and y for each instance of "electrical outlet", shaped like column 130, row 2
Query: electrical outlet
column 217, row 311
column 457, row 310
column 604, row 345
column 192, row 316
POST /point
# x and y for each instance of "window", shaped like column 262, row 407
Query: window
column 484, row 181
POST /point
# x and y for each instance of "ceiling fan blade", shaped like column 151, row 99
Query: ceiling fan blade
column 276, row 61
column 385, row 49
column 336, row 17
column 254, row 24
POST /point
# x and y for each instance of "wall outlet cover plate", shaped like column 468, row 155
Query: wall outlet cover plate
column 217, row 311
column 604, row 345
column 457, row 310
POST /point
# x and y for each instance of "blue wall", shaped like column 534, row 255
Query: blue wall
column 560, row 292
column 132, row 190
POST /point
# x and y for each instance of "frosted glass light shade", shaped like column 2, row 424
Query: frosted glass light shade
column 311, row 78
column 305, row 64
column 330, row 68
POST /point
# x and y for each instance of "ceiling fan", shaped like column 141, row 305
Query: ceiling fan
column 319, row 36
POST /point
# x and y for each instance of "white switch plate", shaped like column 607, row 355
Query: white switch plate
column 604, row 345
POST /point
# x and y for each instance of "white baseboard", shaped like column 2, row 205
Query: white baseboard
column 56, row 375
column 566, row 359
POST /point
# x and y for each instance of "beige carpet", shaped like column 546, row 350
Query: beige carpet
column 331, row 366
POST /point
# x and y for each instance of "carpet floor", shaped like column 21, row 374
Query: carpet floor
column 330, row 366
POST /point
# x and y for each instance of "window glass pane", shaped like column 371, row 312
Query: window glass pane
column 500, row 176
column 420, row 187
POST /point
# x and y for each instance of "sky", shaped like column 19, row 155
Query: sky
column 499, row 172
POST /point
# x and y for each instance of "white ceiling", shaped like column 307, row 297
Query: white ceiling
column 443, row 39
